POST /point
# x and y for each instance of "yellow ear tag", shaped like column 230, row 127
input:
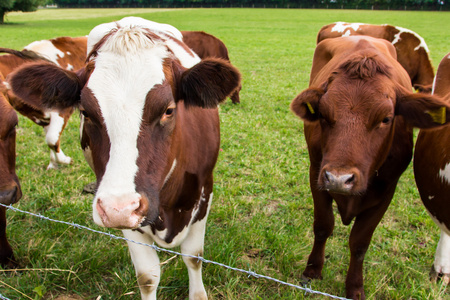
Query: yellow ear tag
column 438, row 115
column 311, row 109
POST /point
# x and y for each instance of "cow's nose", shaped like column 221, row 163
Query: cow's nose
column 122, row 213
column 10, row 195
column 340, row 183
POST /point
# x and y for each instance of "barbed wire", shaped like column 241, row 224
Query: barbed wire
column 198, row 257
column 3, row 297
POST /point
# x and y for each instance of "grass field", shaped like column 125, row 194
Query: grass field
column 262, row 212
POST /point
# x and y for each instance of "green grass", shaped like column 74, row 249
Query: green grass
column 262, row 212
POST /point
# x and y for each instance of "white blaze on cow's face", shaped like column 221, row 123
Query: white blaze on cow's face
column 124, row 74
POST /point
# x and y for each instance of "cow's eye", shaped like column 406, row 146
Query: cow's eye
column 169, row 111
column 168, row 114
column 84, row 113
column 386, row 120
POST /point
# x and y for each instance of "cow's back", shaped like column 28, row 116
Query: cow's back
column 205, row 45
column 412, row 51
column 432, row 157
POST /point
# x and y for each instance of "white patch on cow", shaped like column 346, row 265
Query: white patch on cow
column 53, row 130
column 46, row 49
column 145, row 261
column 444, row 174
column 6, row 85
column 342, row 26
column 69, row 67
column 347, row 33
column 128, row 66
column 442, row 256
column 187, row 59
column 174, row 164
column 68, row 53
column 422, row 43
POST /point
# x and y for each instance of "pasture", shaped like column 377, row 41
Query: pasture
column 262, row 212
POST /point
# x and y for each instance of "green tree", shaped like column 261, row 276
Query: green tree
column 18, row 5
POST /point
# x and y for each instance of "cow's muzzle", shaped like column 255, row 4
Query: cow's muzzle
column 340, row 182
column 10, row 194
column 121, row 212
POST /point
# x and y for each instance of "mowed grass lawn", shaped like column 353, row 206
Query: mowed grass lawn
column 262, row 212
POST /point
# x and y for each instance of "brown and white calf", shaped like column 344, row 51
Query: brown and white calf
column 432, row 174
column 151, row 133
column 412, row 51
column 359, row 112
column 10, row 191
column 66, row 52
column 206, row 45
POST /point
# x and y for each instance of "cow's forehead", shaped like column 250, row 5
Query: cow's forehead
column 98, row 32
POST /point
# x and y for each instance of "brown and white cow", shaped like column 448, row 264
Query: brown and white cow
column 412, row 51
column 151, row 133
column 66, row 52
column 432, row 174
column 359, row 112
column 206, row 45
column 10, row 191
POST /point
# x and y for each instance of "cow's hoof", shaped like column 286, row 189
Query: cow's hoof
column 439, row 277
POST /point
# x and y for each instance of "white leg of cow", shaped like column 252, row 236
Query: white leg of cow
column 442, row 258
column 193, row 245
column 146, row 263
column 52, row 136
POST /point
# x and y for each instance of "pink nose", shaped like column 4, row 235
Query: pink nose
column 340, row 182
column 122, row 212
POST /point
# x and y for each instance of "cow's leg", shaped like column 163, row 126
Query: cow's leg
column 193, row 245
column 6, row 254
column 441, row 267
column 52, row 138
column 360, row 237
column 146, row 263
column 323, row 228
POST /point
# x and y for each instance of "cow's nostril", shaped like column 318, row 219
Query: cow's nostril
column 350, row 180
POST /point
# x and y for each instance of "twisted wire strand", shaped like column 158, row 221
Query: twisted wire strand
column 199, row 258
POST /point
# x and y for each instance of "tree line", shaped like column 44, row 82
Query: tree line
column 328, row 4
column 31, row 5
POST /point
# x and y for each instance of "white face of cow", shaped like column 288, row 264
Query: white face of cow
column 120, row 83
column 128, row 66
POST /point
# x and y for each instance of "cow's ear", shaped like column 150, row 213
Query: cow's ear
column 306, row 104
column 46, row 85
column 422, row 110
column 208, row 83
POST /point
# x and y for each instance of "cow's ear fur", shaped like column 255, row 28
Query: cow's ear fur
column 208, row 83
column 306, row 104
column 46, row 85
column 423, row 110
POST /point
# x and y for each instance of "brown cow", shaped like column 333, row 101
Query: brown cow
column 151, row 133
column 206, row 45
column 412, row 51
column 432, row 173
column 10, row 191
column 66, row 52
column 359, row 112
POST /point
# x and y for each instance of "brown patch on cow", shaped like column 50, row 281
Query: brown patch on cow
column 147, row 283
